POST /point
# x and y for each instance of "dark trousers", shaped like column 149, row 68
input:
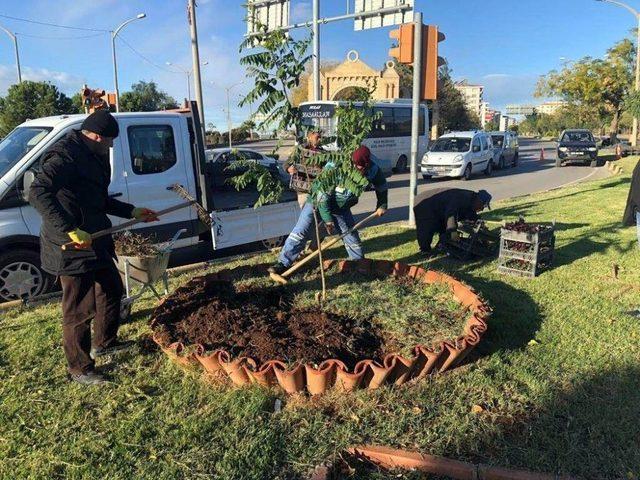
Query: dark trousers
column 89, row 296
column 426, row 228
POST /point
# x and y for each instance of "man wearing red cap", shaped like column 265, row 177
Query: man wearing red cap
column 334, row 207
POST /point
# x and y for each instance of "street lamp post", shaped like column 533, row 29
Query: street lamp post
column 636, row 14
column 114, row 34
column 15, row 46
column 187, row 72
column 228, row 89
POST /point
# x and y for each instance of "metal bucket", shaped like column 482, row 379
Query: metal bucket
column 145, row 270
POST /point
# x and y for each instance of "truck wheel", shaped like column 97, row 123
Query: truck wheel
column 401, row 166
column 467, row 173
column 21, row 276
column 272, row 243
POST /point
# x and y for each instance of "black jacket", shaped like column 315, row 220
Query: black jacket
column 633, row 201
column 441, row 209
column 69, row 192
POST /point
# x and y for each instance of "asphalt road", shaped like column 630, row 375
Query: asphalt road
column 530, row 176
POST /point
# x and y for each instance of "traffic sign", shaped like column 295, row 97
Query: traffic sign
column 389, row 16
column 273, row 14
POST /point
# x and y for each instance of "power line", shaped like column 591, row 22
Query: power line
column 60, row 38
column 53, row 24
column 150, row 62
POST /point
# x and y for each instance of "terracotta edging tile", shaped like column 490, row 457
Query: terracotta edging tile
column 367, row 373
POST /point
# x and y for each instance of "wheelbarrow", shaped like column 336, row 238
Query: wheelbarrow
column 145, row 271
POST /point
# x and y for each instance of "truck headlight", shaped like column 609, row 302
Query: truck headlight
column 458, row 160
column 592, row 149
column 563, row 149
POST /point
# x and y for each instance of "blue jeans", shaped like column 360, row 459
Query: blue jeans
column 305, row 230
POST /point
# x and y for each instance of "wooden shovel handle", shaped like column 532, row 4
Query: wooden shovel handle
column 326, row 245
column 125, row 225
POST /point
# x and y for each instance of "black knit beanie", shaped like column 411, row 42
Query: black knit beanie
column 102, row 123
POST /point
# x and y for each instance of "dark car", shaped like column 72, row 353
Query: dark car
column 577, row 146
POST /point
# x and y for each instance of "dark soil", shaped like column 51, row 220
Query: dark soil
column 262, row 324
column 132, row 244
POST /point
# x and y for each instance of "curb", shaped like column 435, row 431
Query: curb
column 332, row 373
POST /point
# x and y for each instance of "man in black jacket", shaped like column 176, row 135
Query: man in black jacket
column 71, row 194
column 440, row 210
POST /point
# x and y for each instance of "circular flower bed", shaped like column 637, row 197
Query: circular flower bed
column 251, row 327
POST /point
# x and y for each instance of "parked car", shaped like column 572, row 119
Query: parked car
column 459, row 154
column 626, row 148
column 154, row 151
column 221, row 158
column 577, row 146
column 505, row 149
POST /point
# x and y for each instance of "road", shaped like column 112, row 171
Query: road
column 530, row 176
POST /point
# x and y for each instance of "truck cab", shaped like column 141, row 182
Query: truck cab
column 154, row 151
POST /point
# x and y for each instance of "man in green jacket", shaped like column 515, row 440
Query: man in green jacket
column 334, row 209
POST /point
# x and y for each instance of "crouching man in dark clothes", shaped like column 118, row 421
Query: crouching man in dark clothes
column 71, row 194
column 440, row 210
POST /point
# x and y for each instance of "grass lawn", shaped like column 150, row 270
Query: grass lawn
column 558, row 378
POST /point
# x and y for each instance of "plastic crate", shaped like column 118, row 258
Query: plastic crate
column 526, row 254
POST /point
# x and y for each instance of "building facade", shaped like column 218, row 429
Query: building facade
column 341, row 82
column 473, row 96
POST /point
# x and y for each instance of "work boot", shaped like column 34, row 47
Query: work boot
column 277, row 268
column 117, row 347
column 89, row 378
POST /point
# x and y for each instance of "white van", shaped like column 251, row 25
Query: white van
column 154, row 151
column 459, row 155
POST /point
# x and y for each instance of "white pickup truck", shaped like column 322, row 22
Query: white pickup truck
column 154, row 151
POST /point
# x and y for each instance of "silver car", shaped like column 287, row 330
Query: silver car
column 505, row 149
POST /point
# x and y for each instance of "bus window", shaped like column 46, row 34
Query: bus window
column 402, row 117
column 384, row 125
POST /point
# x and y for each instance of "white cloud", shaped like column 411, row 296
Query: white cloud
column 501, row 89
column 66, row 82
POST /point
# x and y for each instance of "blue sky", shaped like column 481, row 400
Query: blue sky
column 504, row 45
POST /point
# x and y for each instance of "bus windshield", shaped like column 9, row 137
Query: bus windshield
column 451, row 144
column 319, row 117
column 17, row 144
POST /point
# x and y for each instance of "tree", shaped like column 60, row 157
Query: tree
column 145, row 97
column 493, row 125
column 454, row 115
column 32, row 100
column 596, row 89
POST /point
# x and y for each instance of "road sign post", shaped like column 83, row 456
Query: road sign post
column 415, row 114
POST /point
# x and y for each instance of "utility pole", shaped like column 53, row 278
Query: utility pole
column 435, row 119
column 415, row 114
column 114, row 34
column 317, row 91
column 197, row 79
column 13, row 37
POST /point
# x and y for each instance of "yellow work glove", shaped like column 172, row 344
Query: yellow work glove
column 80, row 238
column 146, row 214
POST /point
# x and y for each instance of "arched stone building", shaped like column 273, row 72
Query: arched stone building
column 343, row 81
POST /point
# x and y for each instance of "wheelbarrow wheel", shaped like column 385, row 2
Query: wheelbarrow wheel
column 125, row 309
